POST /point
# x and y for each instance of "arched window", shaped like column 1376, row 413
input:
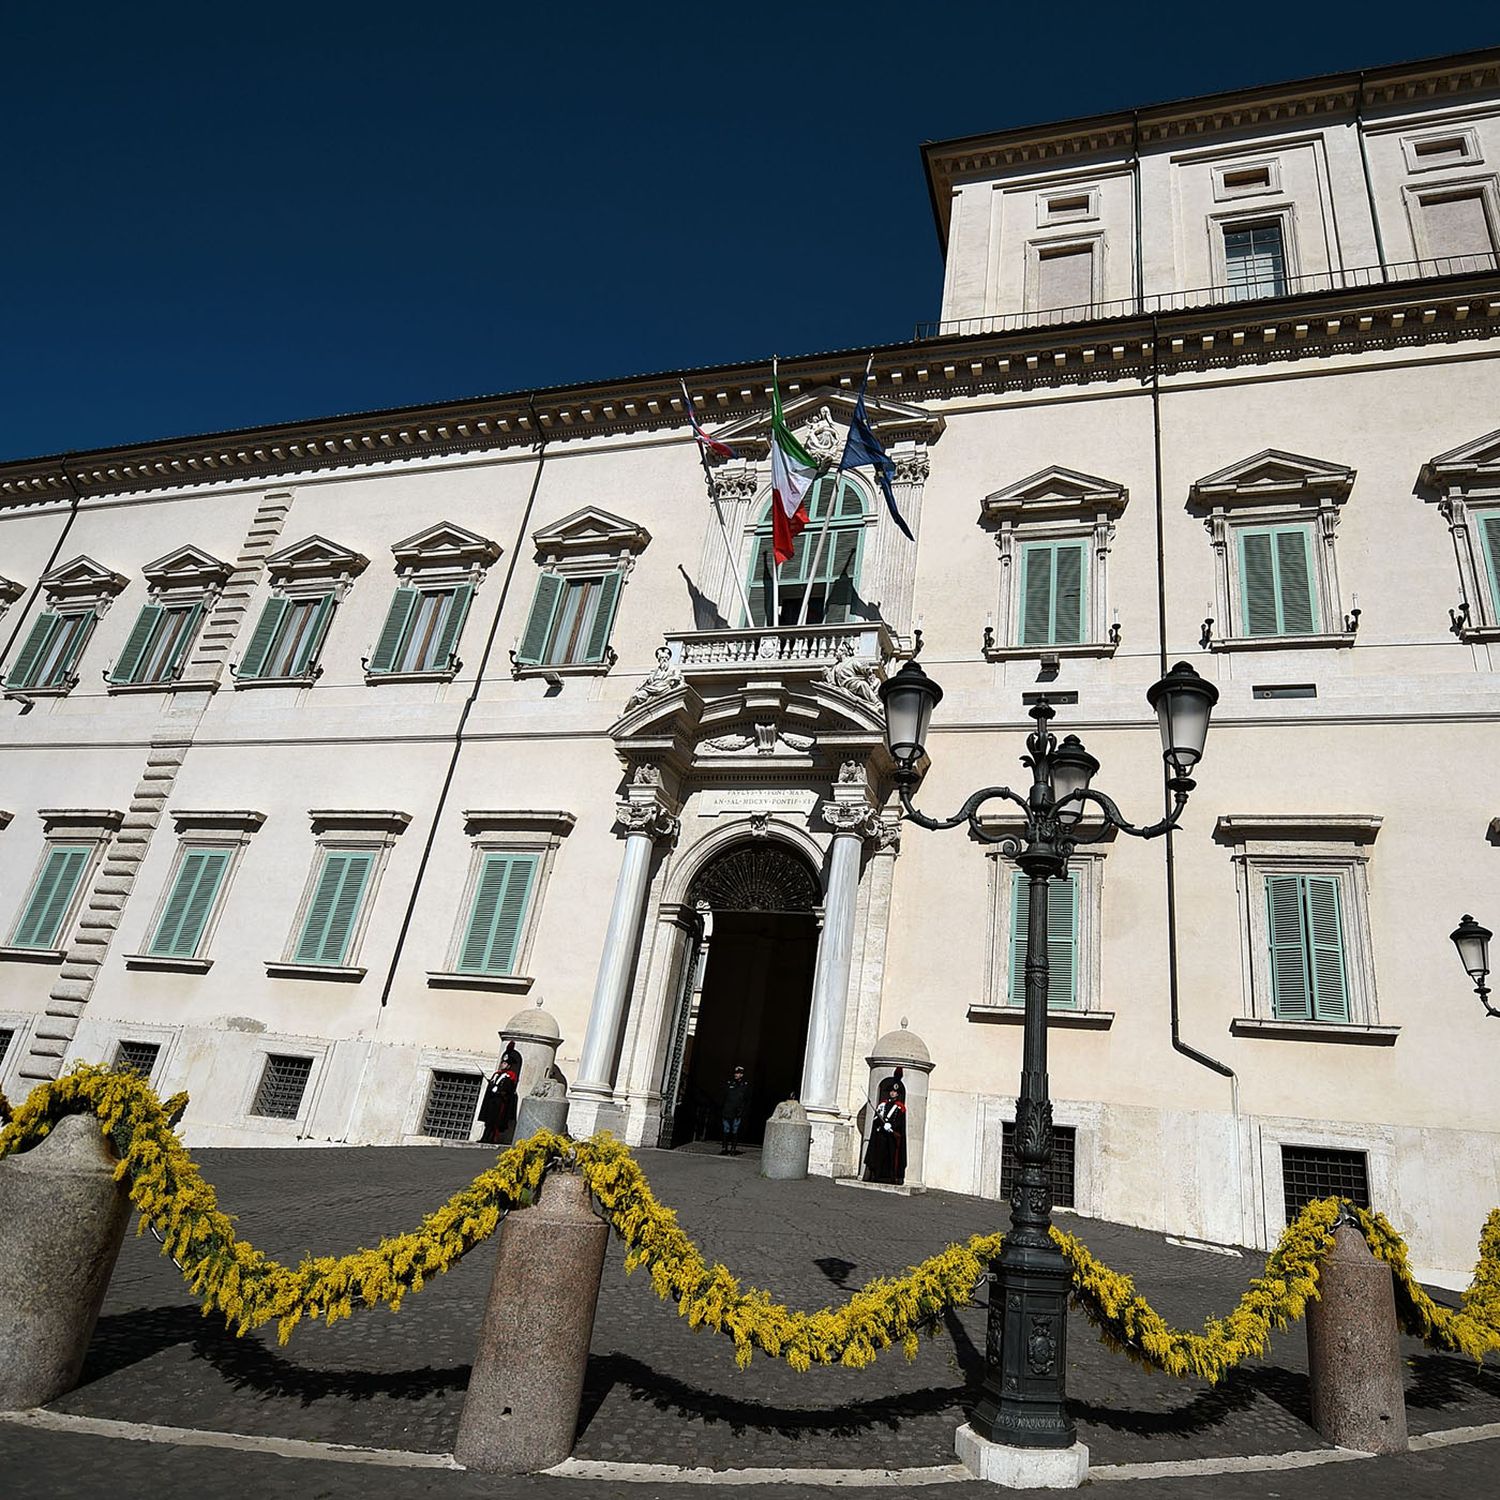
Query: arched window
column 835, row 583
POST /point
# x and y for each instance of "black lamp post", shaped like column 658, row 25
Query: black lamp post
column 1473, row 944
column 1023, row 1402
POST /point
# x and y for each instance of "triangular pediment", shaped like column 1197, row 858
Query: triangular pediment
column 316, row 557
column 82, row 577
column 1273, row 475
column 805, row 412
column 1477, row 459
column 445, row 545
column 1055, row 492
column 186, row 567
column 10, row 590
column 591, row 529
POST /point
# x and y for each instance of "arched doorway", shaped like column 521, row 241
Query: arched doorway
column 747, row 996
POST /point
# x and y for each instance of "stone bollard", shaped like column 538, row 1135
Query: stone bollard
column 62, row 1218
column 784, row 1153
column 1353, row 1357
column 544, row 1108
column 521, row 1411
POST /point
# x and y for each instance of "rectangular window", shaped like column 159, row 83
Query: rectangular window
column 157, row 644
column 1064, row 1158
column 333, row 913
column 421, row 630
column 1065, row 278
column 52, row 649
column 137, row 1057
column 1489, row 534
column 1312, row 1172
column 570, row 620
column 191, row 902
column 1062, row 940
column 1052, row 593
column 452, row 1099
column 282, row 1083
column 7, row 1036
column 52, row 897
column 1304, row 917
column 1255, row 260
column 1276, row 580
column 287, row 638
column 493, row 934
column 1457, row 225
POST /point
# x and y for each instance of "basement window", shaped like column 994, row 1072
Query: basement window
column 1312, row 1172
column 452, row 1099
column 282, row 1084
column 137, row 1057
column 1064, row 1142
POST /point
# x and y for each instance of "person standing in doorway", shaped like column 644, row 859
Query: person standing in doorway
column 736, row 1100
column 885, row 1156
column 497, row 1110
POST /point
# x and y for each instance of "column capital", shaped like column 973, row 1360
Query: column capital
column 648, row 817
column 846, row 813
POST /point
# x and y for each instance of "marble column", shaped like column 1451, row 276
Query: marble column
column 645, row 817
column 853, row 820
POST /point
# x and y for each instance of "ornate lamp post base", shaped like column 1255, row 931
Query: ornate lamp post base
column 1022, row 1468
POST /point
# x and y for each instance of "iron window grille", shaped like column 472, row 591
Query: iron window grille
column 7, row 1036
column 452, row 1099
column 282, row 1083
column 1064, row 1148
column 137, row 1057
column 1312, row 1172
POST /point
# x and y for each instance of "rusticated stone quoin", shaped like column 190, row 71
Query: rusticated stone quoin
column 521, row 1411
column 1352, row 1354
column 62, row 1218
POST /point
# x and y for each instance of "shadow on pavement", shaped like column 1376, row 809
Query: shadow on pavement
column 1439, row 1380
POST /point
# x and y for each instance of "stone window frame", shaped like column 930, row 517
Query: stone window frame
column 1305, row 844
column 1090, row 1162
column 339, row 831
column 1243, row 216
column 228, row 830
column 587, row 543
column 316, row 1049
column 519, row 831
column 1225, row 191
column 310, row 569
column 165, row 1038
column 80, row 586
column 63, row 825
column 1464, row 136
column 1087, row 862
column 1096, row 242
column 186, row 578
column 1415, row 195
column 1298, row 492
column 438, row 1060
column 1272, row 1133
column 1464, row 484
column 1055, row 504
column 19, row 1024
column 1047, row 215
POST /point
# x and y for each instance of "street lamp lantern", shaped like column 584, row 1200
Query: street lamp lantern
column 1183, row 702
column 909, row 697
column 1023, row 1402
column 1473, row 944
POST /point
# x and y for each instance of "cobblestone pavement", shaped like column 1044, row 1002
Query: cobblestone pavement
column 658, row 1392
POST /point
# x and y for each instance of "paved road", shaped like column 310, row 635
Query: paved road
column 657, row 1392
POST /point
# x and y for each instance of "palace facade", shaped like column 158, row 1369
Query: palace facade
column 332, row 750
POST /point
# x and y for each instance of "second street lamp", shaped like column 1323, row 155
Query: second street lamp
column 1023, row 1402
column 1473, row 944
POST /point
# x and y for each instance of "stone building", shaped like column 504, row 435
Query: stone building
column 330, row 748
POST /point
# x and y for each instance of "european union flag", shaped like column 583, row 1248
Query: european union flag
column 863, row 450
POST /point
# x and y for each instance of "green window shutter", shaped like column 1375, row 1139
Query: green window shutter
column 604, row 617
column 1258, row 584
column 51, row 896
column 758, row 584
column 1067, row 603
column 1489, row 530
column 128, row 664
column 1291, row 990
column 538, row 632
column 393, row 632
column 312, row 642
column 452, row 627
column 1036, row 594
column 1062, row 941
column 1325, row 924
column 840, row 567
column 184, row 643
column 43, row 628
column 199, row 877
column 1294, row 585
column 253, row 663
column 331, row 913
column 494, row 929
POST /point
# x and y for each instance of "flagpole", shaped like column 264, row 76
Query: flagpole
column 812, row 574
column 713, row 499
column 775, row 619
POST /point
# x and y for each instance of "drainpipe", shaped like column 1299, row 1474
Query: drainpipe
column 1173, row 992
column 1364, row 161
column 62, row 536
column 1140, row 246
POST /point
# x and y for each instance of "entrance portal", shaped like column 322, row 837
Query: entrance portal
column 747, row 1005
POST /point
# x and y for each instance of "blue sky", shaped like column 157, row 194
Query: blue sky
column 224, row 215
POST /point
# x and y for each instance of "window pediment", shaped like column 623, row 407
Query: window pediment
column 446, row 546
column 1056, row 493
column 804, row 413
column 10, row 590
column 591, row 531
column 187, row 568
column 1472, row 464
column 81, row 579
column 315, row 557
column 1272, row 477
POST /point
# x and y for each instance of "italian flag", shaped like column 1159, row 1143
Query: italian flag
column 792, row 475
